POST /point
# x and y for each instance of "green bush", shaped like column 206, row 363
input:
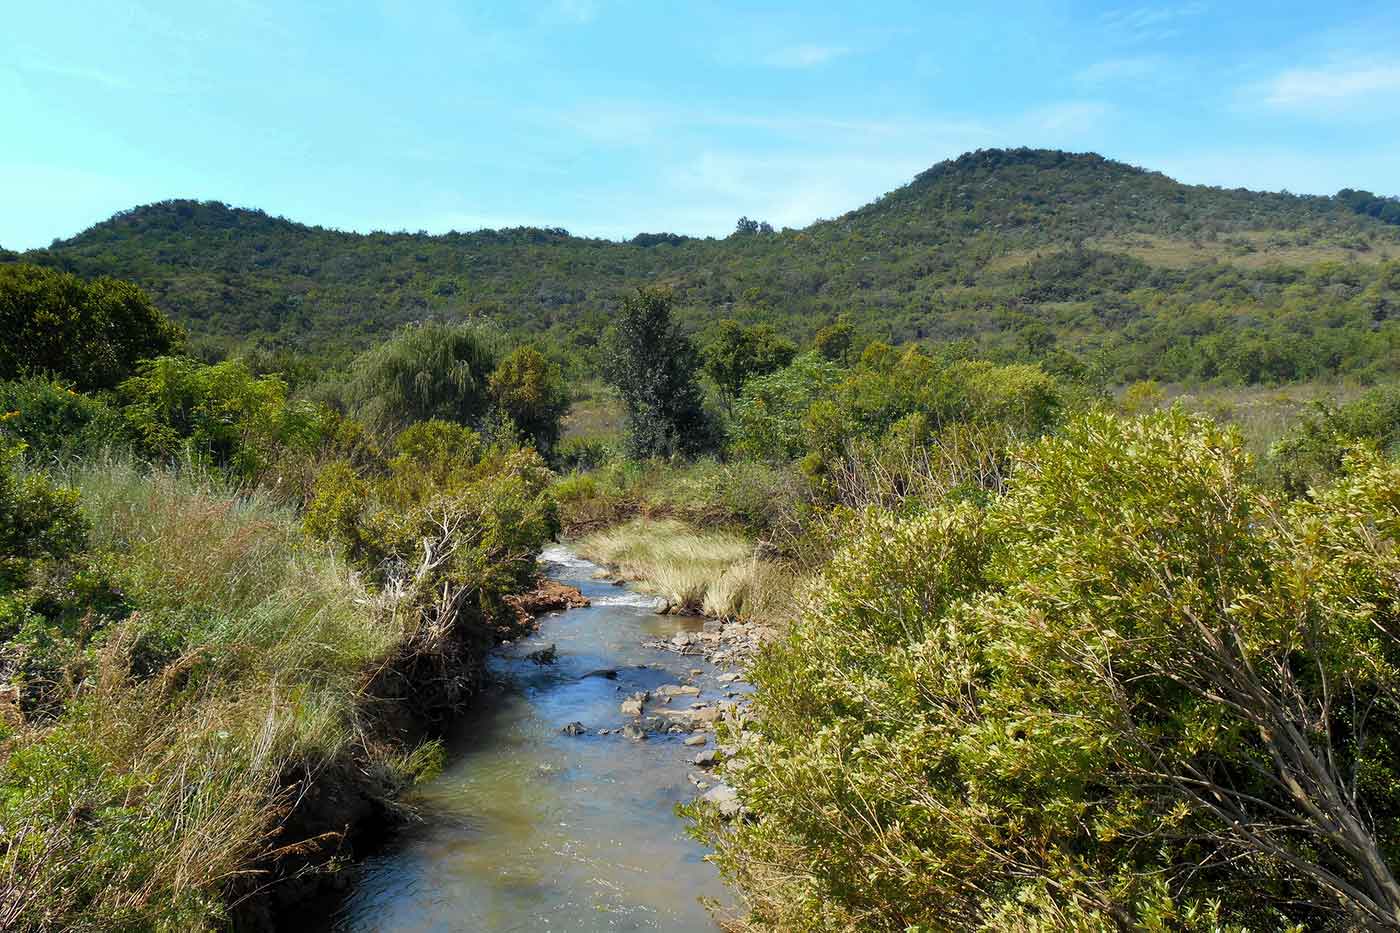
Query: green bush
column 530, row 391
column 1312, row 452
column 90, row 334
column 55, row 423
column 1133, row 692
column 449, row 516
column 220, row 415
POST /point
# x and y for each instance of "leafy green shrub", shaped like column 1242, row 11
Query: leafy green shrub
column 582, row 453
column 767, row 419
column 530, row 391
column 56, row 423
column 1133, row 692
column 221, row 415
column 90, row 334
column 1313, row 451
column 734, row 354
column 450, row 516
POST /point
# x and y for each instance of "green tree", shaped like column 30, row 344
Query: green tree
column 530, row 390
column 90, row 334
column 653, row 366
column 735, row 354
column 426, row 371
column 834, row 341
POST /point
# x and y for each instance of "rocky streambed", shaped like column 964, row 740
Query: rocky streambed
column 555, row 811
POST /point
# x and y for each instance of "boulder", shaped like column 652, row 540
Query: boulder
column 632, row 706
column 574, row 728
column 724, row 799
column 634, row 732
column 707, row 759
column 696, row 740
column 678, row 690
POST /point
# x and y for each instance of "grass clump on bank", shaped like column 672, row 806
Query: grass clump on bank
column 175, row 673
column 717, row 573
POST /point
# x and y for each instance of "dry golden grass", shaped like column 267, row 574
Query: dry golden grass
column 717, row 573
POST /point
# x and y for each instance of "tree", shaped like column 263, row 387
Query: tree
column 431, row 370
column 530, row 391
column 653, row 366
column 736, row 354
column 90, row 334
column 834, row 341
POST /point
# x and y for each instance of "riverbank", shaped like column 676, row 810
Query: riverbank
column 717, row 574
column 556, row 805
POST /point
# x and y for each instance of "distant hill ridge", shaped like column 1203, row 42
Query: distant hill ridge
column 946, row 257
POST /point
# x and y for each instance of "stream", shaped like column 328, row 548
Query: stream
column 529, row 828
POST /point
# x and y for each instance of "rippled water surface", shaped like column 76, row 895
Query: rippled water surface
column 532, row 829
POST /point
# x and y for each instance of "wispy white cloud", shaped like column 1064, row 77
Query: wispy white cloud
column 805, row 55
column 1118, row 70
column 1072, row 116
column 571, row 12
column 1331, row 85
column 1151, row 23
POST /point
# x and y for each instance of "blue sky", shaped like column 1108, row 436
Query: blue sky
column 610, row 117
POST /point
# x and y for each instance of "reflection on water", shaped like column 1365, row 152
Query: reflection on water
column 531, row 829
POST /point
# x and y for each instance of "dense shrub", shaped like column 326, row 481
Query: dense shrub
column 450, row 515
column 56, row 423
column 530, row 391
column 1133, row 692
column 1312, row 452
column 220, row 415
column 90, row 334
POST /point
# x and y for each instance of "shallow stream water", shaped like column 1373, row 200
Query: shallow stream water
column 532, row 829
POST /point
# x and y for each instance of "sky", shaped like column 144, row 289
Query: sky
column 613, row 117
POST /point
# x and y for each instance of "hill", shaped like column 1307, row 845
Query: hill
column 1012, row 253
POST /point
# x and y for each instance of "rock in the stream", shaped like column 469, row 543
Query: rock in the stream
column 544, row 655
column 707, row 759
column 632, row 706
column 729, row 678
column 724, row 799
column 695, row 740
column 634, row 732
column 574, row 728
column 678, row 690
column 608, row 673
column 661, row 605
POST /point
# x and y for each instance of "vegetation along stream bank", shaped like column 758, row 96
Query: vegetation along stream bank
column 1018, row 552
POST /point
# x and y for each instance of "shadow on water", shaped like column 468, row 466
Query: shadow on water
column 532, row 829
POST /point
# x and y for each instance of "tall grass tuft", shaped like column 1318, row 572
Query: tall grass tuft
column 193, row 723
column 714, row 572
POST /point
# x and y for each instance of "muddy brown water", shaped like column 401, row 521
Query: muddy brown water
column 531, row 829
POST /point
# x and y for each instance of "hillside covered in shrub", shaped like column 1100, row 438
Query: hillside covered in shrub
column 1017, row 255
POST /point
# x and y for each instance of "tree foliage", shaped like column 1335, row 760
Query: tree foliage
column 90, row 334
column 734, row 354
column 426, row 371
column 529, row 390
column 653, row 366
